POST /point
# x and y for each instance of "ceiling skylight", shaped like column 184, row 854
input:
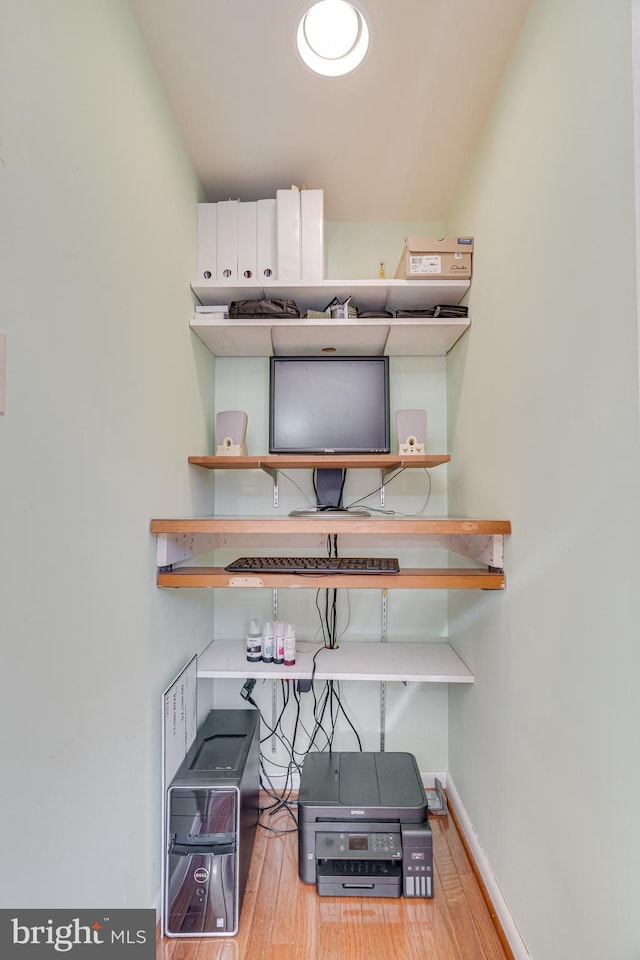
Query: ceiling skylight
column 332, row 37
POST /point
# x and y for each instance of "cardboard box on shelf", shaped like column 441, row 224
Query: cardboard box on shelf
column 426, row 258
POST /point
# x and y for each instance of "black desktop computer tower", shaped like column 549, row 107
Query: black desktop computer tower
column 212, row 814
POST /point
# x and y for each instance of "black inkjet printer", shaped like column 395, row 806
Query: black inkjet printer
column 363, row 826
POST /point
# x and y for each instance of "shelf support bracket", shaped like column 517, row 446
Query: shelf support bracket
column 487, row 549
column 173, row 547
column 383, row 685
column 383, row 711
column 273, row 473
column 385, row 473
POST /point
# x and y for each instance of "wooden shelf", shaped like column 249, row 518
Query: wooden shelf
column 323, row 524
column 444, row 578
column 479, row 540
column 270, row 462
column 419, row 662
column 394, row 336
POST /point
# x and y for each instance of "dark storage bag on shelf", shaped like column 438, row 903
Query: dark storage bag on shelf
column 263, row 308
column 450, row 310
column 418, row 312
column 442, row 310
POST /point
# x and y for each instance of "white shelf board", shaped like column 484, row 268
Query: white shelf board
column 309, row 337
column 233, row 338
column 419, row 662
column 316, row 295
column 424, row 336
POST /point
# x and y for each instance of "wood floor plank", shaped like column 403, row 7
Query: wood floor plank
column 379, row 938
column 332, row 934
column 395, row 922
column 261, row 927
column 296, row 925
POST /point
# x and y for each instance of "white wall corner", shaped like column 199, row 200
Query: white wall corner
column 503, row 913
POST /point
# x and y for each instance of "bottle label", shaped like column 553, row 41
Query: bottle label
column 254, row 651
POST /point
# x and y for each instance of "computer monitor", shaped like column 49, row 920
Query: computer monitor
column 329, row 405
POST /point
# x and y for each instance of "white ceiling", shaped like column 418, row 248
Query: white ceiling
column 389, row 142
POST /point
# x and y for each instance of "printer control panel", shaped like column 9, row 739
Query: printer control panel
column 382, row 845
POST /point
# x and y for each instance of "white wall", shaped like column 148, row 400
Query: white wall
column 107, row 395
column 357, row 250
column 543, row 400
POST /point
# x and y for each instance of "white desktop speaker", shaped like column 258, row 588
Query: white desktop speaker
column 412, row 431
column 231, row 427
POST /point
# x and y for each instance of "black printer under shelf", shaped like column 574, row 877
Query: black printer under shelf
column 363, row 825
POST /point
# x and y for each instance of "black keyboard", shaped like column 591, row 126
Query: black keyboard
column 318, row 565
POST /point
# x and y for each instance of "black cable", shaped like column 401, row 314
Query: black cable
column 371, row 493
column 347, row 718
column 394, row 512
column 281, row 799
column 329, row 703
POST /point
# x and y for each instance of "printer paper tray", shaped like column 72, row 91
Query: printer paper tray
column 348, row 878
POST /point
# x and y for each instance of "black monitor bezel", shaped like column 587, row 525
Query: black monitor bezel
column 312, row 449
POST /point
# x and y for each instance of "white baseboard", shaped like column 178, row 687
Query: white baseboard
column 503, row 913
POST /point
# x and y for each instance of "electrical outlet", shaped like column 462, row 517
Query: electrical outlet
column 3, row 369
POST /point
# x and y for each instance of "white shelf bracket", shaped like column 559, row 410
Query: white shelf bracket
column 387, row 472
column 485, row 548
column 173, row 547
column 273, row 473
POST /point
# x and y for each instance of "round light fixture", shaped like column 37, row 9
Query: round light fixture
column 332, row 37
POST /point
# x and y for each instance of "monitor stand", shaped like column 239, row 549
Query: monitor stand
column 329, row 512
column 329, row 483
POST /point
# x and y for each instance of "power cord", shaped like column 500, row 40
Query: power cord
column 396, row 513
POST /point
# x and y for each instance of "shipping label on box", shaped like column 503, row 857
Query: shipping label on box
column 422, row 263
column 425, row 258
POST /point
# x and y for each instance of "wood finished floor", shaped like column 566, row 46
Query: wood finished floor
column 284, row 919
